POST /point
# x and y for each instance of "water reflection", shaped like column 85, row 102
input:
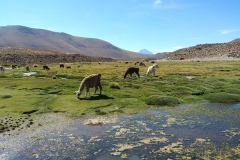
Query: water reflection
column 193, row 131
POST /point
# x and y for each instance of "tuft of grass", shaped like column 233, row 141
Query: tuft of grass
column 114, row 85
column 3, row 76
column 99, row 112
column 162, row 100
column 6, row 96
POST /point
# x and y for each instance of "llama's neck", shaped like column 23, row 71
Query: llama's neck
column 81, row 87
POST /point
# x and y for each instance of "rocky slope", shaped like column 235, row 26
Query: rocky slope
column 20, row 55
column 217, row 51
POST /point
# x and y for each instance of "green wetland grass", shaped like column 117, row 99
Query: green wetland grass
column 176, row 82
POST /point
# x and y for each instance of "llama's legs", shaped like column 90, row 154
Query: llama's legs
column 87, row 91
column 96, row 88
column 138, row 74
column 100, row 86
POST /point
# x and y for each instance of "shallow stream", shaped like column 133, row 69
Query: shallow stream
column 194, row 131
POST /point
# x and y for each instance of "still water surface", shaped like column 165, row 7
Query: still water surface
column 194, row 131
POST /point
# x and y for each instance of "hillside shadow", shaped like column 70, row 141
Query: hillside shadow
column 96, row 97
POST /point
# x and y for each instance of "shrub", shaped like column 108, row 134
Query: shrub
column 114, row 85
column 162, row 100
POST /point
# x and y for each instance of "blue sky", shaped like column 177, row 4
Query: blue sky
column 155, row 25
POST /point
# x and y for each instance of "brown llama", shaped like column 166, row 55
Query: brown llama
column 130, row 71
column 27, row 68
column 1, row 68
column 91, row 81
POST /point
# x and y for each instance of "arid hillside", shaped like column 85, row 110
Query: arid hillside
column 217, row 51
column 20, row 55
column 20, row 36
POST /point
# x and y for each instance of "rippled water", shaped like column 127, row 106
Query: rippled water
column 194, row 131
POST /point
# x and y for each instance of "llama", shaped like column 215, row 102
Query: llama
column 136, row 62
column 151, row 70
column 91, row 81
column 142, row 64
column 61, row 65
column 46, row 67
column 1, row 68
column 27, row 68
column 14, row 66
column 130, row 71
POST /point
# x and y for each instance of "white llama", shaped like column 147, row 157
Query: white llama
column 151, row 70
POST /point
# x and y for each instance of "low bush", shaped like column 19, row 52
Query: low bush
column 114, row 85
column 68, row 67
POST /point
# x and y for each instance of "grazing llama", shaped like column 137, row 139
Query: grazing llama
column 91, row 81
column 1, row 68
column 61, row 65
column 27, row 68
column 142, row 64
column 46, row 67
column 130, row 71
column 151, row 70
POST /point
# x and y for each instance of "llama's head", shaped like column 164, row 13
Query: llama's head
column 156, row 66
column 78, row 93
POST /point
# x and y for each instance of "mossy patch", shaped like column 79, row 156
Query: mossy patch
column 223, row 98
column 162, row 100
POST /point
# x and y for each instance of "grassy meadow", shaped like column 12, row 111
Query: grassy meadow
column 176, row 82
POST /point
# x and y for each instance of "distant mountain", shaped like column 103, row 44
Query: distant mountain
column 21, row 36
column 145, row 51
column 161, row 54
column 217, row 51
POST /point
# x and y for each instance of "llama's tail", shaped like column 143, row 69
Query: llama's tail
column 81, row 88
